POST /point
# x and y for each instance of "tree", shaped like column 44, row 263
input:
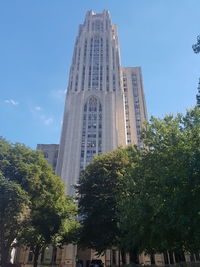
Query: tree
column 160, row 210
column 146, row 200
column 14, row 214
column 99, row 187
column 52, row 213
column 52, row 221
column 196, row 47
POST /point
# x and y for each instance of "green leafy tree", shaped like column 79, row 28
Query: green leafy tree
column 14, row 214
column 160, row 210
column 129, row 241
column 52, row 213
column 52, row 221
column 146, row 200
column 196, row 47
column 100, row 185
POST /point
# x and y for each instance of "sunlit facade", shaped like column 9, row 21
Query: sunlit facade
column 105, row 105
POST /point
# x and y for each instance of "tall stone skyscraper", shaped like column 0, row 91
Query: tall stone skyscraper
column 105, row 104
column 105, row 107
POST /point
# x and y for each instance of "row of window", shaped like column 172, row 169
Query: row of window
column 97, row 24
column 91, row 143
column 137, row 109
column 127, row 117
column 95, row 72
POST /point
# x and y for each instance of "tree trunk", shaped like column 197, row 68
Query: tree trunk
column 4, row 256
column 152, row 256
column 123, row 255
column 36, row 256
column 4, row 249
column 134, row 256
column 119, row 263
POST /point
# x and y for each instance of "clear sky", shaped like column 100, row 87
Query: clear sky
column 36, row 46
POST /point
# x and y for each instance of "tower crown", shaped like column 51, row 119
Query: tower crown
column 105, row 104
column 96, row 21
column 96, row 59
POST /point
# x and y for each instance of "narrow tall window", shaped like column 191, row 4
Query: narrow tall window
column 91, row 141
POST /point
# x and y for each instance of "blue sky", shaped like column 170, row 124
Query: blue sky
column 36, row 46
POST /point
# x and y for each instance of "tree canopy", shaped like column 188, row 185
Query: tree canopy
column 196, row 47
column 146, row 200
column 52, row 213
column 99, row 187
column 14, row 215
column 160, row 210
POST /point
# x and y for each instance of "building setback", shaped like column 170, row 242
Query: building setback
column 50, row 152
column 105, row 104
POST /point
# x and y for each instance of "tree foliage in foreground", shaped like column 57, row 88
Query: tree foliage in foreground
column 146, row 200
column 52, row 213
column 160, row 210
column 14, row 213
column 99, row 188
column 196, row 47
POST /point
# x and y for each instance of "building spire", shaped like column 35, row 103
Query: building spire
column 198, row 95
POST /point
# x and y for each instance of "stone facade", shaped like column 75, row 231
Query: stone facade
column 50, row 152
column 104, row 108
column 101, row 109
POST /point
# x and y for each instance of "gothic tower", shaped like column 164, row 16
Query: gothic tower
column 97, row 116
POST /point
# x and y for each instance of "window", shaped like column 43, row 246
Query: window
column 46, row 155
column 91, row 131
column 97, row 25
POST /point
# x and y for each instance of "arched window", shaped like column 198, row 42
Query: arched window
column 91, row 140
